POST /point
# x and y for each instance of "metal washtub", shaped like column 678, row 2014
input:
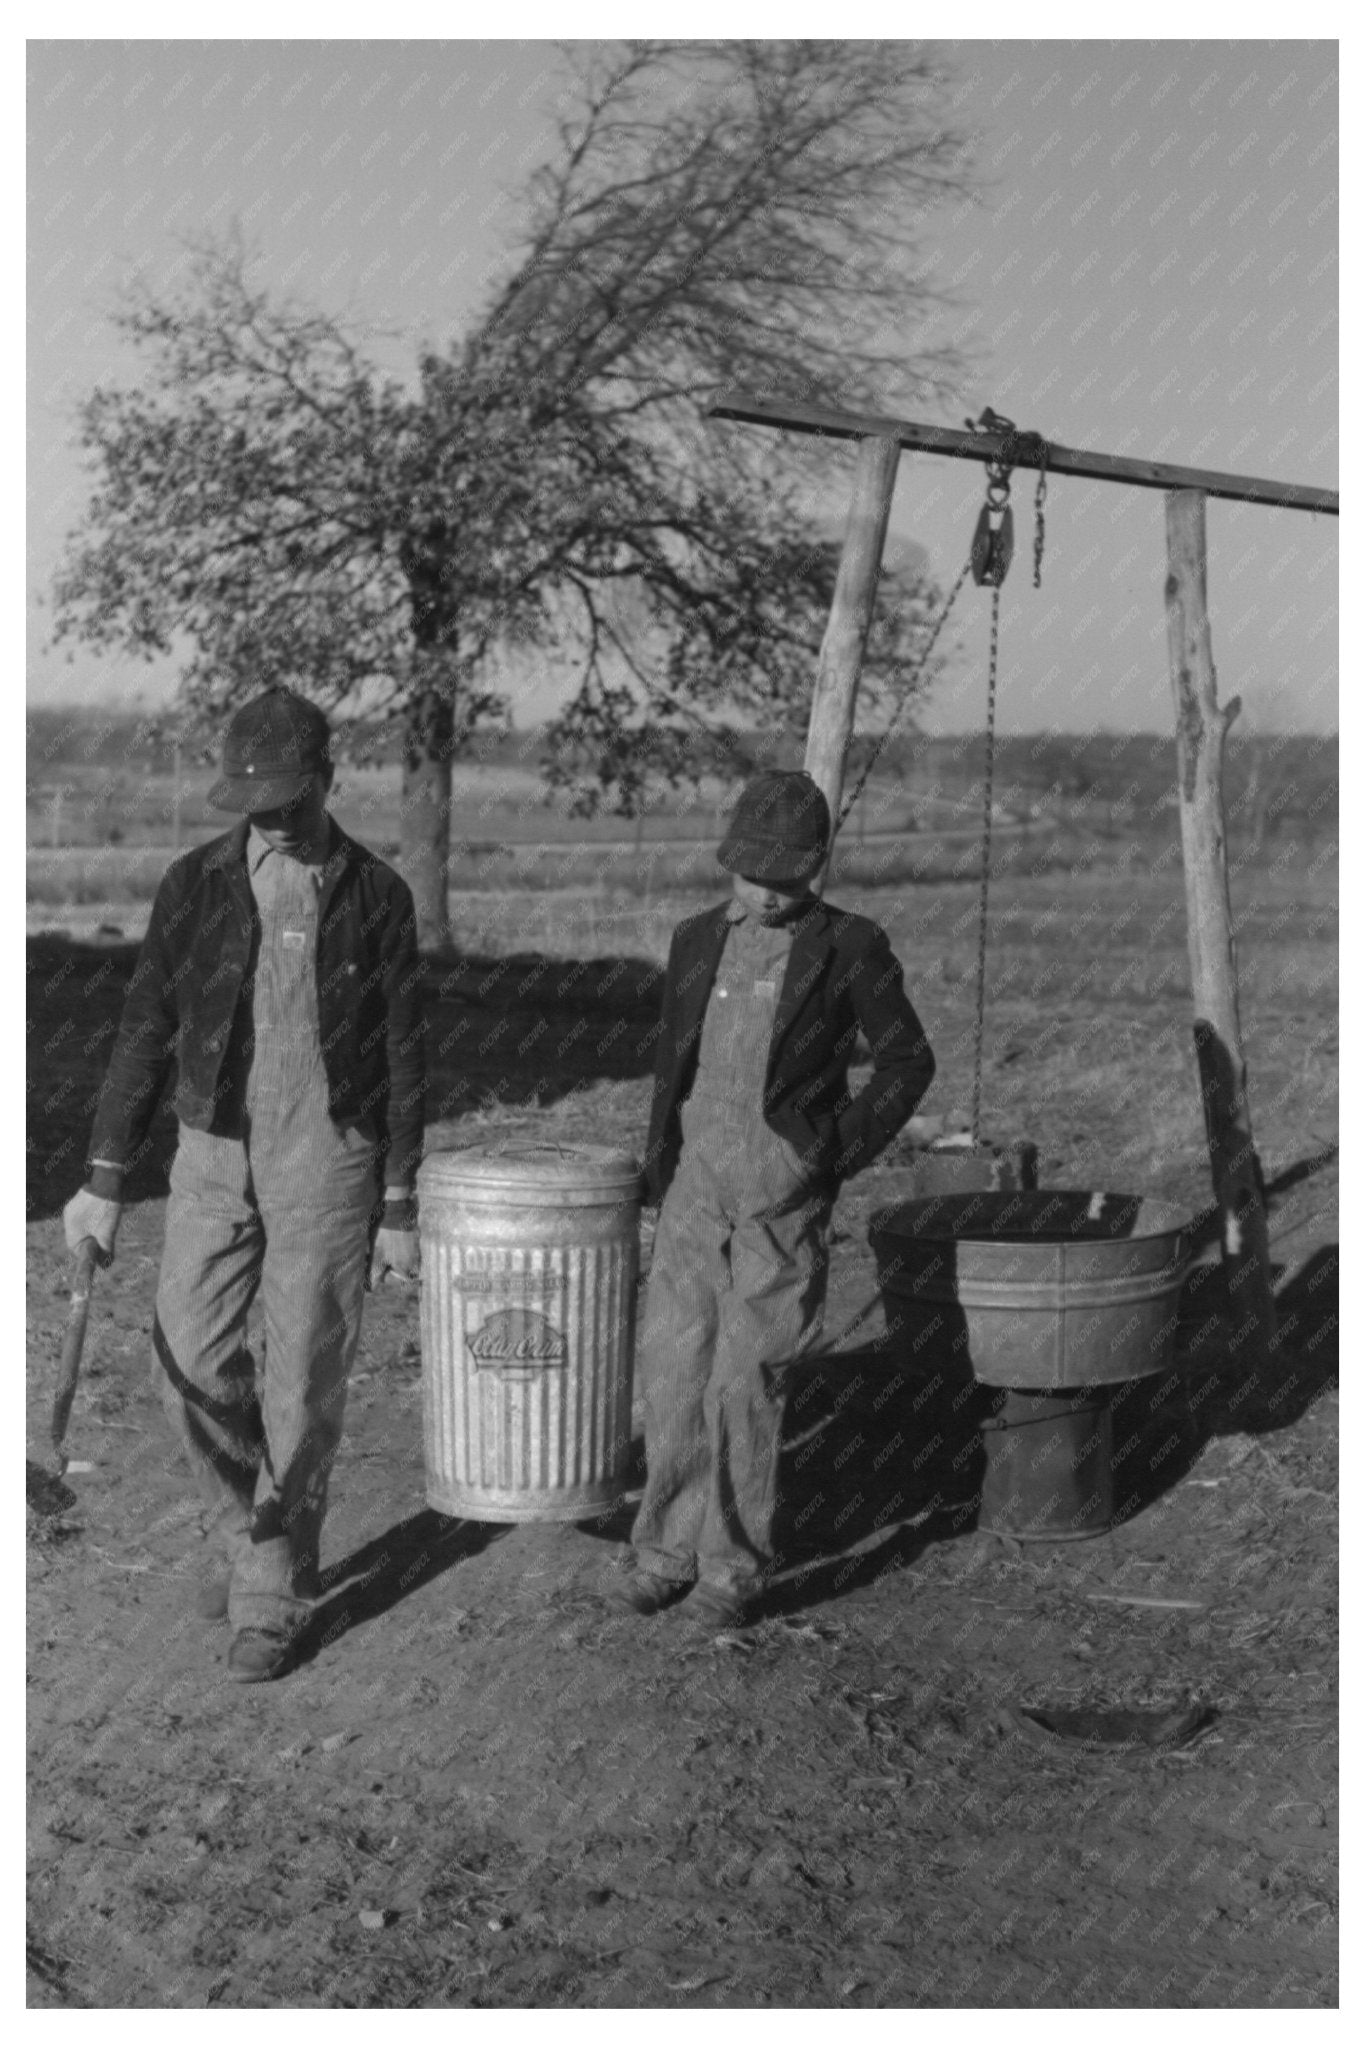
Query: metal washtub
column 1049, row 1298
column 530, row 1258
column 1044, row 1288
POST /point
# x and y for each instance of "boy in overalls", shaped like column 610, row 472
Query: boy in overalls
column 752, row 1132
column 280, row 977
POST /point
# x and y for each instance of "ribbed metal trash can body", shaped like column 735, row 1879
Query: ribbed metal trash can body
column 530, row 1257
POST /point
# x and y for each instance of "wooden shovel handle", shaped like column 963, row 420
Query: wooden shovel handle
column 83, row 1266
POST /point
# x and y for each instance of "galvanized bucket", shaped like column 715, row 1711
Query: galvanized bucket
column 530, row 1256
column 1049, row 1466
column 1042, row 1289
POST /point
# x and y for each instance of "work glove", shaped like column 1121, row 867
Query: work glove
column 90, row 1215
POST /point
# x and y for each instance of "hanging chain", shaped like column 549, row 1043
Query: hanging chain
column 892, row 722
column 1039, row 500
column 988, row 562
column 985, row 868
column 992, row 549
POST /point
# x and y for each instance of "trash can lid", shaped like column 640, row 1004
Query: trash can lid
column 519, row 1165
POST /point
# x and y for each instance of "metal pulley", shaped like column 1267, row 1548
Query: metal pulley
column 993, row 541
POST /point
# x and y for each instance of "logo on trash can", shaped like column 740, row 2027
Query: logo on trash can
column 518, row 1342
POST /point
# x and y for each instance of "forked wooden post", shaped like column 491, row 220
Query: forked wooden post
column 850, row 617
column 1201, row 737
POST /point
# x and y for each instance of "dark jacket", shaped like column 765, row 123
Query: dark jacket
column 841, row 978
column 188, row 1002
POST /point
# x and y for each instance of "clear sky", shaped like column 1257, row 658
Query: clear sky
column 1151, row 270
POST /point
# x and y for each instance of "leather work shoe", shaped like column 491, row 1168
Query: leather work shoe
column 260, row 1653
column 211, row 1599
column 717, row 1607
column 645, row 1592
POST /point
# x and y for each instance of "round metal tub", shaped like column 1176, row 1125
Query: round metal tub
column 1043, row 1288
column 530, row 1256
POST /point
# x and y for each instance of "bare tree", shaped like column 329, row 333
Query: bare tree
column 268, row 504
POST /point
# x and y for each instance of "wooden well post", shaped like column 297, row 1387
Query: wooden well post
column 835, row 696
column 1201, row 728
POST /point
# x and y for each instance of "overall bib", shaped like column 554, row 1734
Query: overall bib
column 282, row 1211
column 736, row 1292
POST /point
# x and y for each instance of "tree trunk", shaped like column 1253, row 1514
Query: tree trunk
column 1201, row 739
column 428, row 748
column 429, row 731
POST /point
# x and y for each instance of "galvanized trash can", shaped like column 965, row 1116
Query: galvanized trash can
column 530, row 1258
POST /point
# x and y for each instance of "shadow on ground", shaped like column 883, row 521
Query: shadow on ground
column 883, row 1453
column 523, row 1030
column 873, row 1441
column 367, row 1583
column 876, row 1439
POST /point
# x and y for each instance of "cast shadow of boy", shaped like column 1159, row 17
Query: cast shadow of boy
column 882, row 1455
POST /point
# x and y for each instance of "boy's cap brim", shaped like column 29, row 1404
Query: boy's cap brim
column 250, row 791
column 762, row 860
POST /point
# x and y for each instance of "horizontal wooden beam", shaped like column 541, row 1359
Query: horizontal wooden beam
column 971, row 447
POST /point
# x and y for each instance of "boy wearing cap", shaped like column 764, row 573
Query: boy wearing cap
column 752, row 1131
column 280, row 976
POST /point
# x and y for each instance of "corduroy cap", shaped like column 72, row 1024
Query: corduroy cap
column 779, row 831
column 272, row 749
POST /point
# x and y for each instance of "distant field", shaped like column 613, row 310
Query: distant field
column 555, row 894
column 106, row 814
column 93, row 807
column 92, row 776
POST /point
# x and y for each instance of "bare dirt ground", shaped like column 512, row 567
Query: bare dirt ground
column 483, row 1787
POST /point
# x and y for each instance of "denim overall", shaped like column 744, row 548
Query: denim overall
column 736, row 1291
column 282, row 1210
